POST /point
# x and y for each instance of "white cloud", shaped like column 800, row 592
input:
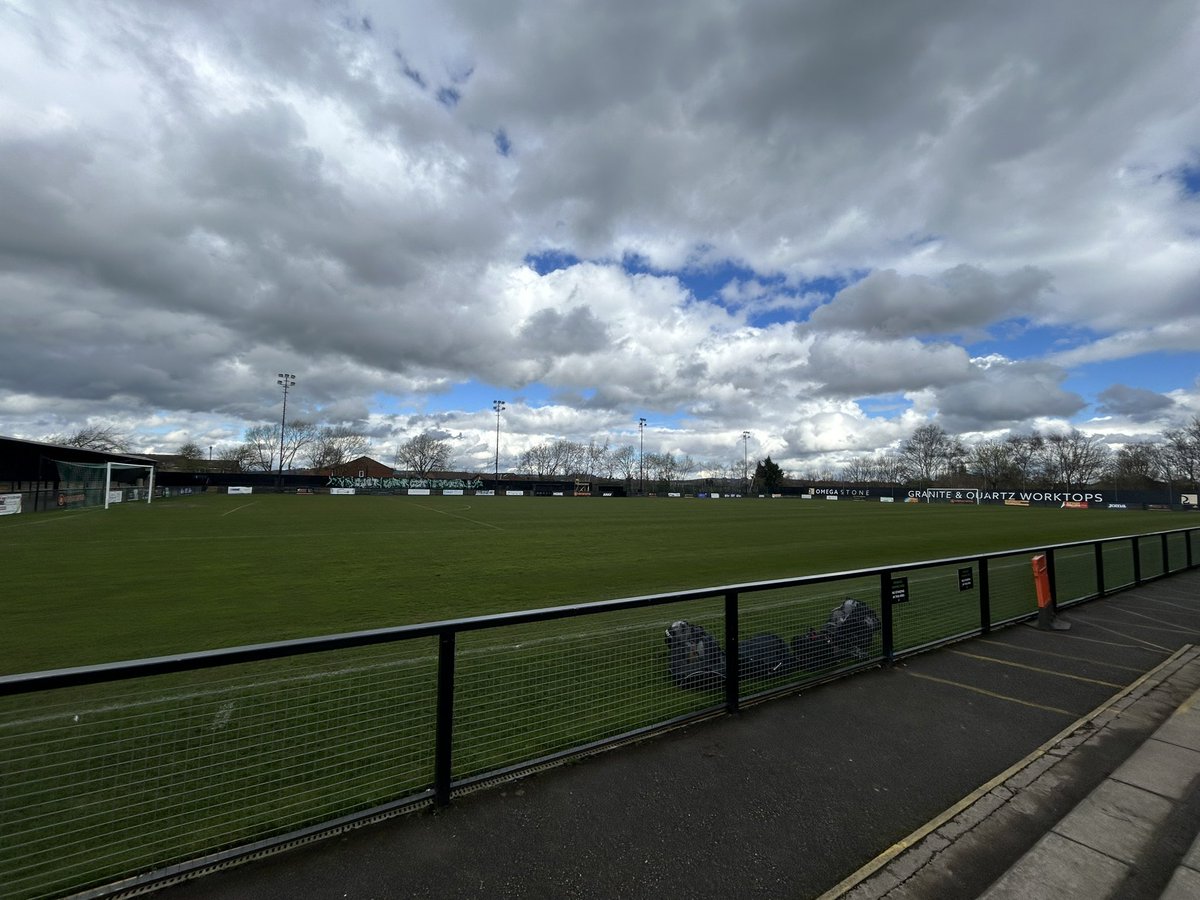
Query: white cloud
column 195, row 197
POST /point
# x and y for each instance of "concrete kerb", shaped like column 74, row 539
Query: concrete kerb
column 904, row 859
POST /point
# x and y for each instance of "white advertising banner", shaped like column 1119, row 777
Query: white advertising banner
column 239, row 490
column 418, row 492
column 452, row 493
column 10, row 504
column 341, row 490
column 116, row 496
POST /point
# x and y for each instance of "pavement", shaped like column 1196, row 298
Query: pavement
column 1023, row 763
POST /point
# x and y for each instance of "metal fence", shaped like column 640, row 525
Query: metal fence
column 118, row 776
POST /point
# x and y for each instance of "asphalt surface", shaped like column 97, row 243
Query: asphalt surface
column 826, row 792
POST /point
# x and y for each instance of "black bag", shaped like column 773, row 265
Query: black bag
column 697, row 662
column 851, row 627
column 847, row 633
column 763, row 656
column 694, row 658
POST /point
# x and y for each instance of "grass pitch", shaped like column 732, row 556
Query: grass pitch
column 104, row 781
column 218, row 571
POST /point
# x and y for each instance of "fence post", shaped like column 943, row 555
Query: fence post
column 1137, row 561
column 1099, row 569
column 1053, row 579
column 732, row 681
column 443, row 748
column 985, row 598
column 1166, row 553
column 885, row 614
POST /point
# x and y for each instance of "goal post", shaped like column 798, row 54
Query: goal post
column 82, row 485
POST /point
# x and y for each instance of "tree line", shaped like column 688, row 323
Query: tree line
column 929, row 456
column 1061, row 459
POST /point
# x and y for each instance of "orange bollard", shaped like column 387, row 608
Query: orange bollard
column 1047, row 620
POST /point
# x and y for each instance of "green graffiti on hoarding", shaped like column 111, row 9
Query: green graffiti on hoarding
column 393, row 484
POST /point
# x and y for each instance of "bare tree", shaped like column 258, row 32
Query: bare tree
column 624, row 462
column 423, row 454
column 260, row 448
column 1075, row 459
column 263, row 445
column 190, row 450
column 889, row 468
column 1182, row 452
column 596, row 456
column 859, row 470
column 1138, row 465
column 333, row 447
column 106, row 438
column 234, row 458
column 993, row 463
column 1027, row 457
column 929, row 453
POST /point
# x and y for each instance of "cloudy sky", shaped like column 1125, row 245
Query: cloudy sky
column 824, row 222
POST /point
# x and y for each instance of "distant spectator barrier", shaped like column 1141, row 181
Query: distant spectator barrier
column 117, row 776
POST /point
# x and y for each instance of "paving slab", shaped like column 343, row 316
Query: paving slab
column 1060, row 869
column 1164, row 769
column 1116, row 819
column 1184, row 885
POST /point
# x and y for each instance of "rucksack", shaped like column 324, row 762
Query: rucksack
column 696, row 661
column 847, row 632
column 851, row 627
column 694, row 658
column 763, row 656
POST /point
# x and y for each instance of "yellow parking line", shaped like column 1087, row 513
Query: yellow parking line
column 1120, row 609
column 979, row 690
column 1188, row 609
column 1017, row 665
column 1054, row 655
column 1075, row 637
column 856, row 878
column 1092, row 624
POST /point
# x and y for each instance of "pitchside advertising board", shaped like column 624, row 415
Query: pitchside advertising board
column 10, row 504
column 1080, row 499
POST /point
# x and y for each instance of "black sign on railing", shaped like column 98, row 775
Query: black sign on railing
column 899, row 590
column 966, row 579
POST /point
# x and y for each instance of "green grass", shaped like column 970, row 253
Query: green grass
column 219, row 571
column 100, row 782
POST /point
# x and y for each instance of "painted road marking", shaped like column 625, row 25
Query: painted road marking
column 1053, row 655
column 987, row 693
column 1017, row 665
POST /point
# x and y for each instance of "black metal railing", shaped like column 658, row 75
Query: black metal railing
column 171, row 765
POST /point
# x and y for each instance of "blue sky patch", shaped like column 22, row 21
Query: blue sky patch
column 503, row 144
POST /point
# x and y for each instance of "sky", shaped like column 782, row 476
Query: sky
column 823, row 223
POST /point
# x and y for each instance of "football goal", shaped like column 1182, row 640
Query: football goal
column 102, row 484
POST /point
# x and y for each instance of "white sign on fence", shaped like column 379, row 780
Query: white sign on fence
column 418, row 492
column 116, row 496
column 341, row 490
column 10, row 504
column 239, row 490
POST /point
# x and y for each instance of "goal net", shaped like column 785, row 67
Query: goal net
column 102, row 484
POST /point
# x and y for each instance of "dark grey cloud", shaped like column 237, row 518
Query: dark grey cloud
column 1006, row 395
column 1136, row 404
column 965, row 299
column 549, row 331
